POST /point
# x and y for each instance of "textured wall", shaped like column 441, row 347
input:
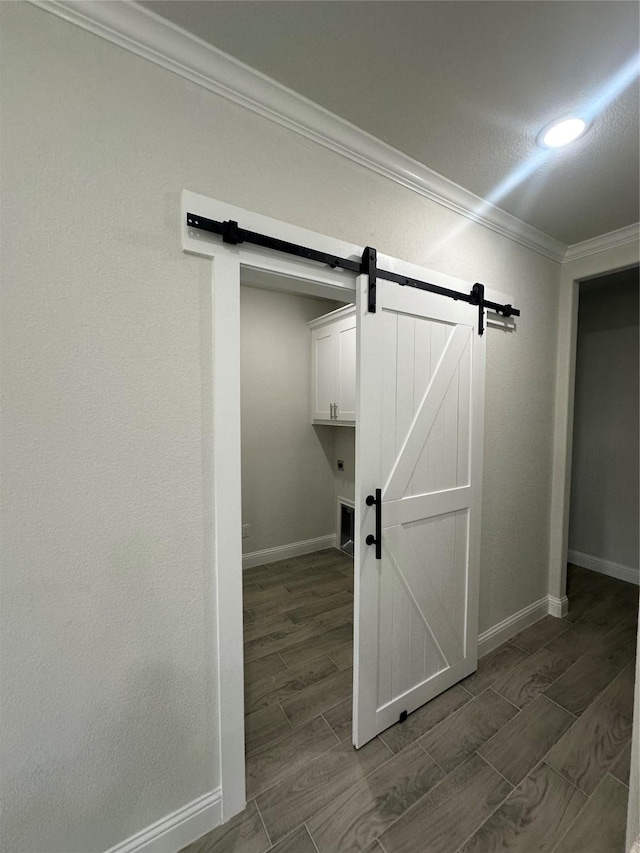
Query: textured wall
column 287, row 463
column 108, row 624
column 604, row 483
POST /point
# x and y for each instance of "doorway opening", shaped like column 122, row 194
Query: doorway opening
column 297, row 581
column 459, row 354
column 604, row 501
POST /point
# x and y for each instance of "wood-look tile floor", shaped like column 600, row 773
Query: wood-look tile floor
column 531, row 753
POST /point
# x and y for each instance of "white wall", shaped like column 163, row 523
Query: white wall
column 287, row 462
column 108, row 644
column 604, row 487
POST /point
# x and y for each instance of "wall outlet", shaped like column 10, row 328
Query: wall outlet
column 245, row 531
column 340, row 464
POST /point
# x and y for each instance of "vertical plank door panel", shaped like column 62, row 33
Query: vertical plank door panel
column 419, row 440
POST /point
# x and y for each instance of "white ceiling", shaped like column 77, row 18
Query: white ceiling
column 462, row 87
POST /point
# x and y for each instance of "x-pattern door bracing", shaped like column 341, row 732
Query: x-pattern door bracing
column 419, row 439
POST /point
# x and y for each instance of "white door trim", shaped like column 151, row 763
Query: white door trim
column 572, row 273
column 227, row 525
column 260, row 267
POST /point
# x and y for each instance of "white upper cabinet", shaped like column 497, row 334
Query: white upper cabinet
column 333, row 367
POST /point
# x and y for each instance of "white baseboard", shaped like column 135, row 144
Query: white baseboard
column 176, row 830
column 512, row 625
column 182, row 827
column 605, row 567
column 285, row 552
column 558, row 607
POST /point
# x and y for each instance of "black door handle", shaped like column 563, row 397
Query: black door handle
column 377, row 539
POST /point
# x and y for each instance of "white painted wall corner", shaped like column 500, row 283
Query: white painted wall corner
column 558, row 607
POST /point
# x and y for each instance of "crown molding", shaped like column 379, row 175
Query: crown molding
column 628, row 234
column 144, row 33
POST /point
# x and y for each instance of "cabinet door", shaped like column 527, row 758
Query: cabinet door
column 324, row 367
column 345, row 334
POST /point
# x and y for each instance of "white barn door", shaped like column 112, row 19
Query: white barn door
column 419, row 441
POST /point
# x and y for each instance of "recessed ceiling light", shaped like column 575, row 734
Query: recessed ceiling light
column 561, row 132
